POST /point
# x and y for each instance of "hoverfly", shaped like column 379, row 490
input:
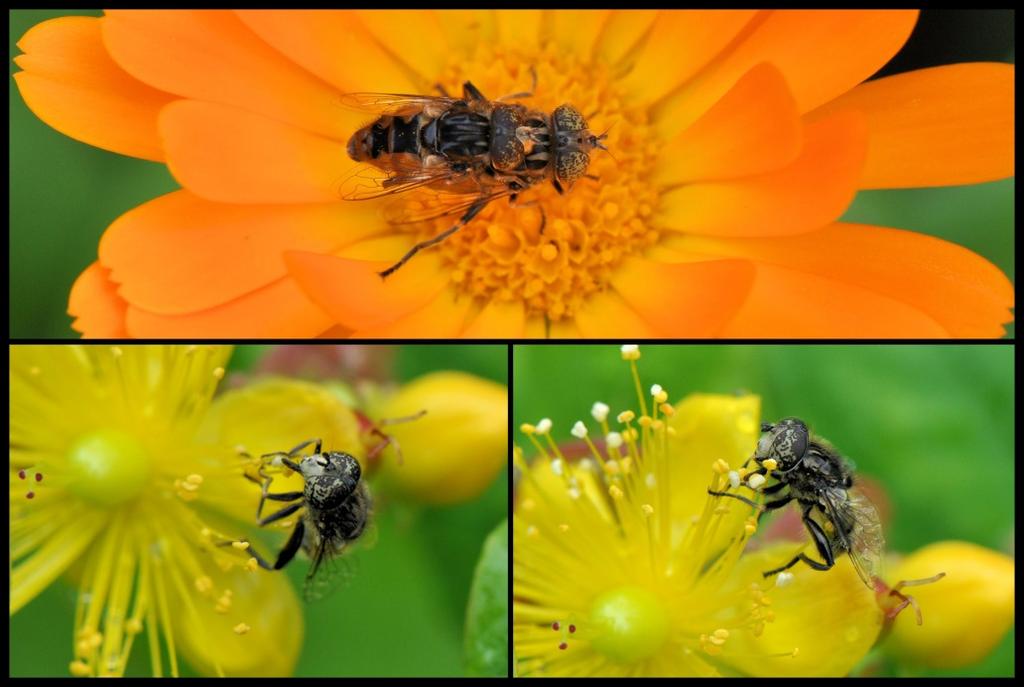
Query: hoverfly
column 811, row 472
column 468, row 151
column 337, row 507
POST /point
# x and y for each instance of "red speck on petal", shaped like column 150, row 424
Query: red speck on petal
column 39, row 477
column 572, row 628
column 563, row 646
column 554, row 626
column 30, row 495
column 21, row 474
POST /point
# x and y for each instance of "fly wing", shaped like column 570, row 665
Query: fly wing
column 394, row 104
column 428, row 204
column 331, row 570
column 859, row 529
column 397, row 174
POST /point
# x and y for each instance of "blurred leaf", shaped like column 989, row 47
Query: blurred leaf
column 487, row 613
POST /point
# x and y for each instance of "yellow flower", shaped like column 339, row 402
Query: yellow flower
column 969, row 611
column 624, row 565
column 456, row 450
column 111, row 482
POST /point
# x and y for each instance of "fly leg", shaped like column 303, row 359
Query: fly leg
column 820, row 541
column 524, row 94
column 471, row 92
column 291, row 547
column 744, row 499
column 472, row 212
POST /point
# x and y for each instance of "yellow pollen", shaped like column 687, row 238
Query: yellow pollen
column 252, row 565
column 218, row 373
column 241, row 628
column 626, row 416
column 770, row 464
column 204, row 584
column 133, row 626
column 80, row 669
column 527, row 429
column 243, row 545
column 194, row 479
column 647, row 509
column 615, row 492
column 667, row 409
column 720, row 466
column 504, row 254
column 564, row 527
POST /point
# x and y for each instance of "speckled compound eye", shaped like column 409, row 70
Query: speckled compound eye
column 571, row 165
column 568, row 118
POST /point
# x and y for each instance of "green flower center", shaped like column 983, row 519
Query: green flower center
column 629, row 624
column 108, row 467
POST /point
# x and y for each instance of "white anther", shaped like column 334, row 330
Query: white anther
column 629, row 349
column 579, row 430
column 783, row 579
column 544, row 426
column 656, row 389
column 755, row 481
column 614, row 440
column 734, row 479
column 600, row 411
column 557, row 466
column 650, row 481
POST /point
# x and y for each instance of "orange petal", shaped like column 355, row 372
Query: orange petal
column 813, row 191
column 71, row 83
column 790, row 304
column 444, row 317
column 519, row 27
column 413, row 37
column 606, row 315
column 333, row 44
column 679, row 44
column 964, row 293
column 229, row 155
column 179, row 253
column 98, row 311
column 278, row 310
column 498, row 320
column 936, row 127
column 755, row 128
column 349, row 287
column 211, row 55
column 622, row 32
column 822, row 54
column 686, row 300
column 575, row 31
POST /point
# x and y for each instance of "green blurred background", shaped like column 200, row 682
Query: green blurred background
column 404, row 611
column 64, row 193
column 933, row 424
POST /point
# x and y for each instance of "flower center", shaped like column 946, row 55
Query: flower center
column 108, row 467
column 552, row 251
column 629, row 624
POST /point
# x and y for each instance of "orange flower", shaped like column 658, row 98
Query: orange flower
column 739, row 138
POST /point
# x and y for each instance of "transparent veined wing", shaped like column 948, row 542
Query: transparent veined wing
column 330, row 570
column 395, row 104
column 429, row 204
column 859, row 529
column 397, row 174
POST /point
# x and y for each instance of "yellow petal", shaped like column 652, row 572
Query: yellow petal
column 965, row 614
column 265, row 602
column 829, row 617
column 456, row 450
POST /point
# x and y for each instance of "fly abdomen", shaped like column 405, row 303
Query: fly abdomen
column 403, row 137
